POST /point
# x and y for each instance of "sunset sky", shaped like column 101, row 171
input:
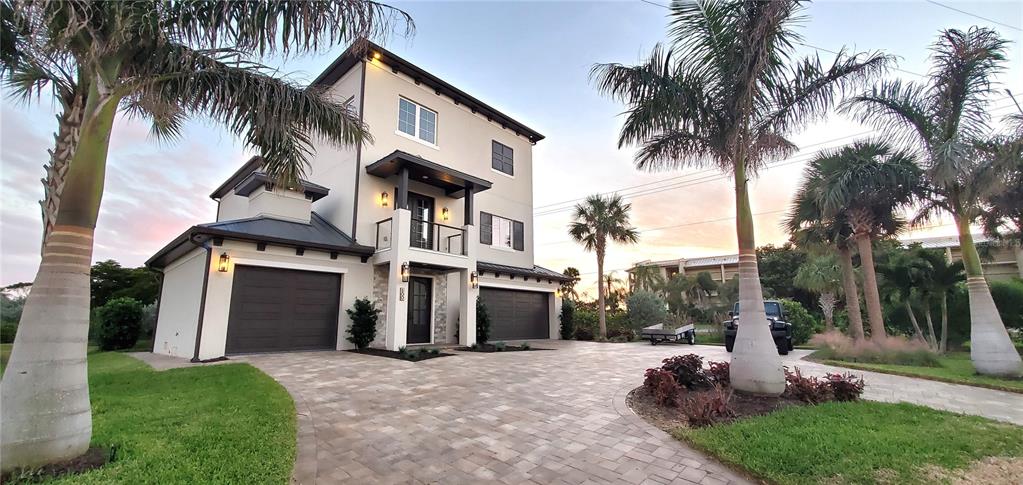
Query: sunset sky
column 530, row 60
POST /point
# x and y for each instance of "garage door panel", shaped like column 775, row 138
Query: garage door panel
column 274, row 309
column 516, row 314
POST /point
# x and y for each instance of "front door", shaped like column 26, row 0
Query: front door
column 421, row 207
column 420, row 301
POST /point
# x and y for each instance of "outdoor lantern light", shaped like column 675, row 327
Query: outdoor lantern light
column 474, row 279
column 383, row 199
column 224, row 261
column 445, row 213
column 376, row 55
column 404, row 272
column 557, row 293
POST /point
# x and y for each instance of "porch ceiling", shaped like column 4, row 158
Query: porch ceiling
column 422, row 170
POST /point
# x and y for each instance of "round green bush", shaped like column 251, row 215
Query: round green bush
column 120, row 324
column 567, row 319
column 586, row 323
column 804, row 325
column 1008, row 296
column 646, row 308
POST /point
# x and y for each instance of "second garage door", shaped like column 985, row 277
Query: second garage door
column 275, row 310
column 517, row 314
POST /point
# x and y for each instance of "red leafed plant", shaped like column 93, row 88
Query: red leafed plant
column 709, row 407
column 718, row 372
column 845, row 387
column 807, row 389
column 662, row 385
column 688, row 370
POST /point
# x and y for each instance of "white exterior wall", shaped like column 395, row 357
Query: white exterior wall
column 232, row 207
column 179, row 305
column 288, row 205
column 463, row 143
column 553, row 303
column 356, row 282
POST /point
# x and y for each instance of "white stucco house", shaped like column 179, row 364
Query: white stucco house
column 437, row 210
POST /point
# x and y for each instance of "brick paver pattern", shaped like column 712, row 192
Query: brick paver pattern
column 555, row 416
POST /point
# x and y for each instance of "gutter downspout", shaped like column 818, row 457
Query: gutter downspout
column 159, row 300
column 202, row 300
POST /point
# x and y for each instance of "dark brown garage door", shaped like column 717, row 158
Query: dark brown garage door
column 516, row 314
column 275, row 310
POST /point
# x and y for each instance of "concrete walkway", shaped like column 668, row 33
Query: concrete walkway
column 524, row 417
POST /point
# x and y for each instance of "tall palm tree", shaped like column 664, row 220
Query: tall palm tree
column 163, row 61
column 944, row 118
column 596, row 221
column 865, row 183
column 726, row 94
column 822, row 275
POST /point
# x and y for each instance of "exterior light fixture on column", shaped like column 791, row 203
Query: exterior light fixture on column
column 225, row 262
column 474, row 279
column 405, row 273
column 383, row 199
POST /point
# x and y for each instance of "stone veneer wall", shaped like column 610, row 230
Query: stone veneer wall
column 380, row 299
column 440, row 298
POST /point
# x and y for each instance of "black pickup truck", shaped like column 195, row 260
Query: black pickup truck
column 781, row 330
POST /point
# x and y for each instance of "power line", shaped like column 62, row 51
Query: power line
column 674, row 226
column 964, row 12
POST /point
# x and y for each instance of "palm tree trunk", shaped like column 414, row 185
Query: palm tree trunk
column 755, row 366
column 870, row 291
column 930, row 328
column 852, row 294
column 917, row 333
column 991, row 349
column 44, row 394
column 602, row 312
column 827, row 304
column 944, row 324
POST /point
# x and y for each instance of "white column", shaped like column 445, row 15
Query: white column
column 397, row 291
column 466, row 293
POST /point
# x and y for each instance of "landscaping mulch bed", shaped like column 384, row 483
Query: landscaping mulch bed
column 493, row 348
column 642, row 402
column 96, row 457
column 410, row 356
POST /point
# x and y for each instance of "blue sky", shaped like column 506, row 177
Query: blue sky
column 530, row 60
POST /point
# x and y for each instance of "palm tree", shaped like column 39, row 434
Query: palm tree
column 597, row 220
column 822, row 275
column 726, row 94
column 647, row 277
column 904, row 273
column 162, row 61
column 944, row 276
column 865, row 183
column 944, row 118
column 568, row 287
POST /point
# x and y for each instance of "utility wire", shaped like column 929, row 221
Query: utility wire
column 964, row 12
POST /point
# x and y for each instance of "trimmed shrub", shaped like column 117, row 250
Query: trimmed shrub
column 120, row 324
column 586, row 322
column 567, row 319
column 364, row 315
column 645, row 308
column 845, row 387
column 1008, row 296
column 707, row 408
column 688, row 371
column 719, row 373
column 804, row 325
column 662, row 385
column 583, row 333
column 482, row 322
column 621, row 334
column 7, row 332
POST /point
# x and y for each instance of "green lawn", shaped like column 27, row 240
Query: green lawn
column 214, row 424
column 955, row 367
column 855, row 442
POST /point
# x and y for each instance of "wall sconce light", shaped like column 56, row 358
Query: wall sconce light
column 445, row 214
column 474, row 280
column 376, row 56
column 225, row 261
column 383, row 199
column 557, row 293
column 405, row 273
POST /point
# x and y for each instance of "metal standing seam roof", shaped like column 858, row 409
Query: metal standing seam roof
column 534, row 272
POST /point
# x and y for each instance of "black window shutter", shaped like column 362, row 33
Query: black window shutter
column 518, row 239
column 486, row 228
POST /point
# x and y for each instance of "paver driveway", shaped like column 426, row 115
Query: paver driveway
column 555, row 416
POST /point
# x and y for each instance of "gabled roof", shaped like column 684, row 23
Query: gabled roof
column 317, row 234
column 249, row 176
column 353, row 55
column 537, row 272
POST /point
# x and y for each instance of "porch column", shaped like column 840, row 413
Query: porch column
column 402, row 195
column 396, row 324
column 466, row 293
column 469, row 193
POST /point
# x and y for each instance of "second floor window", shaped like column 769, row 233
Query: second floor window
column 417, row 121
column 502, row 158
column 500, row 232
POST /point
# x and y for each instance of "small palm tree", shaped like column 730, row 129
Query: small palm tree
column 726, row 94
column 822, row 275
column 647, row 277
column 162, row 61
column 944, row 275
column 904, row 274
column 864, row 184
column 944, row 118
column 568, row 287
column 595, row 222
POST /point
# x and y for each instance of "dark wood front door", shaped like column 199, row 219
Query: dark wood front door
column 421, row 207
column 420, row 301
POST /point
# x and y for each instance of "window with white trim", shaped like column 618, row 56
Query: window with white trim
column 502, row 232
column 502, row 158
column 417, row 121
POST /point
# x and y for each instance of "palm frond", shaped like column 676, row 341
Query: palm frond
column 899, row 110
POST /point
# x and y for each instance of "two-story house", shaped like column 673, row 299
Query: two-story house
column 435, row 211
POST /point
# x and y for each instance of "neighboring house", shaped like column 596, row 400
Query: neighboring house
column 436, row 211
column 999, row 261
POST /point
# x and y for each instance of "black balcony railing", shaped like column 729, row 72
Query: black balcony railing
column 438, row 237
